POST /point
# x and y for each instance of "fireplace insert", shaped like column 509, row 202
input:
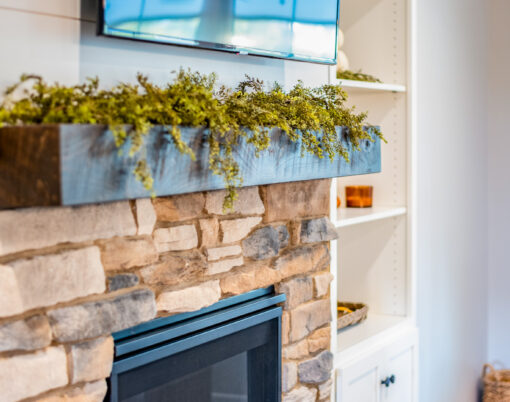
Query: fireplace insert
column 228, row 352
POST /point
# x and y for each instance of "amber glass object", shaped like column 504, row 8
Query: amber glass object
column 358, row 196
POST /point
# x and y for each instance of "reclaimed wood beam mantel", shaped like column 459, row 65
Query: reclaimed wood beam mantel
column 72, row 164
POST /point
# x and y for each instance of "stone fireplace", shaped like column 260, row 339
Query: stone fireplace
column 72, row 276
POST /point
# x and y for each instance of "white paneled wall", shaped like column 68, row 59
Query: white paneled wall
column 57, row 39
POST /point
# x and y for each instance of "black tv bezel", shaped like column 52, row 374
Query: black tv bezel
column 215, row 46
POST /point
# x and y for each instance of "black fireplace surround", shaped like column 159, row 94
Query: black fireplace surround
column 228, row 352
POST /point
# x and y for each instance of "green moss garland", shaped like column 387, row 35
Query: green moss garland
column 356, row 76
column 193, row 99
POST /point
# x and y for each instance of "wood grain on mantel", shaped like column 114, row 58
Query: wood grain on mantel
column 68, row 164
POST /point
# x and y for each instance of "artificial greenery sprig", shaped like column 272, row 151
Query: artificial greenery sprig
column 247, row 112
column 356, row 76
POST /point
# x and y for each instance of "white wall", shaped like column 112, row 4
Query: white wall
column 452, row 200
column 57, row 39
column 499, row 182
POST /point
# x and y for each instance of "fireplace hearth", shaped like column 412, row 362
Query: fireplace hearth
column 228, row 352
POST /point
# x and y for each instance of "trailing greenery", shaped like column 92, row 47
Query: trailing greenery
column 192, row 99
column 357, row 76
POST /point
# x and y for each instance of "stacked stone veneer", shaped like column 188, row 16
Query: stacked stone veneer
column 69, row 277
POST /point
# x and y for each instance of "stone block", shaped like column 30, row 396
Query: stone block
column 122, row 281
column 319, row 340
column 237, row 229
column 289, row 376
column 308, row 317
column 224, row 265
column 179, row 207
column 89, row 392
column 176, row 238
column 285, row 327
column 92, row 360
column 124, row 253
column 298, row 291
column 296, row 351
column 286, row 201
column 302, row 260
column 26, row 334
column 295, row 232
column 214, row 254
column 145, row 216
column 27, row 375
column 321, row 283
column 283, row 236
column 172, row 269
column 189, row 299
column 249, row 278
column 301, row 394
column 101, row 317
column 50, row 279
column 11, row 302
column 317, row 230
column 325, row 390
column 317, row 369
column 34, row 228
column 247, row 203
column 210, row 229
column 262, row 243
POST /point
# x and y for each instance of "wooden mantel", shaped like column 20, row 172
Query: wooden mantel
column 51, row 165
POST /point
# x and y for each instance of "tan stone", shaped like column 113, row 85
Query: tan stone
column 285, row 327
column 210, row 229
column 26, row 334
column 27, row 375
column 319, row 340
column 249, row 278
column 33, row 228
column 46, row 280
column 301, row 394
column 325, row 390
column 176, row 238
column 302, row 260
column 214, row 254
column 224, row 265
column 289, row 376
column 11, row 302
column 145, row 216
column 172, row 269
column 308, row 317
column 297, row 290
column 322, row 282
column 179, row 207
column 89, row 392
column 247, row 203
column 285, row 201
column 92, row 360
column 237, row 229
column 189, row 299
column 296, row 350
column 124, row 253
column 295, row 233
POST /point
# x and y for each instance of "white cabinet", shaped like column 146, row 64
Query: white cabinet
column 385, row 373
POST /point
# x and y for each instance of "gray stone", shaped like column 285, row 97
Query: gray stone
column 27, row 334
column 263, row 243
column 301, row 394
column 308, row 317
column 283, row 236
column 93, row 319
column 317, row 230
column 316, row 370
column 289, row 376
column 122, row 281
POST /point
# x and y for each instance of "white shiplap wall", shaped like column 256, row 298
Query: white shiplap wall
column 57, row 39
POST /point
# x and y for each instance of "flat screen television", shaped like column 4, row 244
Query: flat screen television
column 291, row 29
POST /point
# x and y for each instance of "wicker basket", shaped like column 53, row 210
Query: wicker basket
column 359, row 313
column 496, row 384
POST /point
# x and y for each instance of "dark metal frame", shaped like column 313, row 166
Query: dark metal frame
column 241, row 323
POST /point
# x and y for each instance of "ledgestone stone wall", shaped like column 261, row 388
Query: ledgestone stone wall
column 69, row 277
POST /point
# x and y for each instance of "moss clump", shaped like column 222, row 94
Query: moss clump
column 247, row 112
column 356, row 76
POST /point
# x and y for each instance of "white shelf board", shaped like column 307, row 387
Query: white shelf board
column 363, row 86
column 367, row 332
column 355, row 216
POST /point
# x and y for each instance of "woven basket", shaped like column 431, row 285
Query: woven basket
column 496, row 384
column 359, row 313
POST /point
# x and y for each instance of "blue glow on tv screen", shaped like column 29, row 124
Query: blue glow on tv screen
column 292, row 29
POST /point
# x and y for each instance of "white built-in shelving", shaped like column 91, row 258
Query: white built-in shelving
column 352, row 86
column 355, row 216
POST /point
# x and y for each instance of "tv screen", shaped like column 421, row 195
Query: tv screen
column 292, row 29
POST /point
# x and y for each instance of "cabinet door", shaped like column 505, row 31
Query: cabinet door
column 399, row 364
column 359, row 382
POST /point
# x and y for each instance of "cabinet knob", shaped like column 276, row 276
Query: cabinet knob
column 388, row 381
